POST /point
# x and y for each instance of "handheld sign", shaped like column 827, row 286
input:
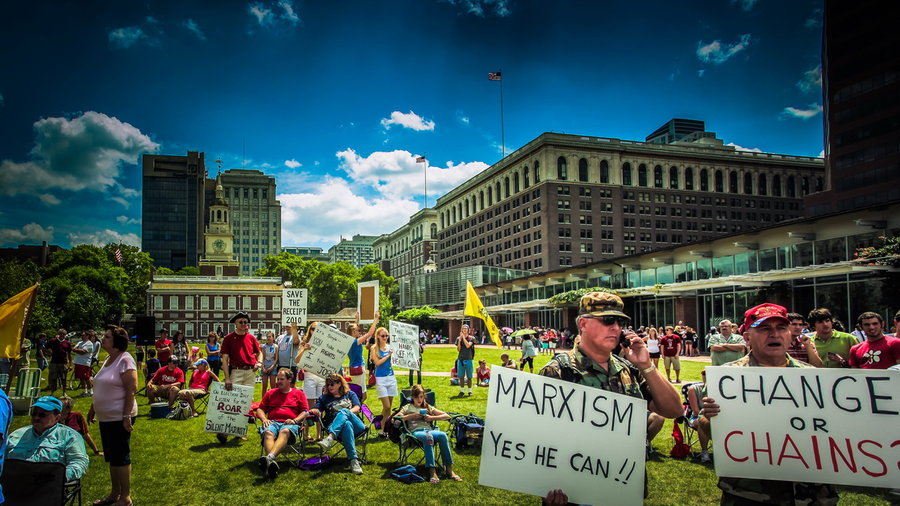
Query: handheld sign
column 329, row 345
column 591, row 443
column 367, row 300
column 808, row 425
column 293, row 306
column 227, row 410
column 405, row 343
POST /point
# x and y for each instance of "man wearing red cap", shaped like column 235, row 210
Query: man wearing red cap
column 768, row 334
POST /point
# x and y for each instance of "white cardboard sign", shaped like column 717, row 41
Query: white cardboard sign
column 405, row 343
column 328, row 348
column 227, row 411
column 590, row 444
column 293, row 306
column 810, row 425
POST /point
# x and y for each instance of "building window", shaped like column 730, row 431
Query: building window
column 748, row 183
column 626, row 174
column 188, row 330
column 673, row 178
column 232, row 303
column 720, row 182
column 562, row 171
column 218, row 303
column 604, row 172
column 537, row 172
column 157, row 302
column 776, row 185
column 515, row 182
column 583, row 170
column 506, row 187
column 173, row 302
column 642, row 175
column 189, row 302
column 763, row 186
column 276, row 303
column 657, row 177
column 204, row 302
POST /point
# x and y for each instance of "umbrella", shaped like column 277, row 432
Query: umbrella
column 523, row 332
column 506, row 329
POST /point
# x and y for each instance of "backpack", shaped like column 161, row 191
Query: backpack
column 181, row 411
column 468, row 430
column 314, row 463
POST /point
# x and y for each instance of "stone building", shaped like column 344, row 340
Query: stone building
column 407, row 250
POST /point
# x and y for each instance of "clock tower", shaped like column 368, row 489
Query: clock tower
column 220, row 259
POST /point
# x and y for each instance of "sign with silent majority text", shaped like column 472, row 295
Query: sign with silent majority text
column 810, row 425
column 227, row 410
column 293, row 306
column 328, row 348
column 543, row 434
column 405, row 343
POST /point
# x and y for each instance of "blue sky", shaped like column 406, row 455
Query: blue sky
column 336, row 99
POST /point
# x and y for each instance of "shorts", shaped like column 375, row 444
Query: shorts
column 654, row 354
column 57, row 373
column 359, row 379
column 313, row 385
column 195, row 392
column 82, row 372
column 673, row 362
column 275, row 427
column 386, row 386
column 116, row 443
column 464, row 369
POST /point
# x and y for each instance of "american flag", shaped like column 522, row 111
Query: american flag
column 119, row 256
column 493, row 76
column 420, row 159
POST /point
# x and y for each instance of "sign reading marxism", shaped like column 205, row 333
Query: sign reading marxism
column 809, row 425
column 405, row 343
column 591, row 443
column 293, row 306
column 227, row 410
column 328, row 346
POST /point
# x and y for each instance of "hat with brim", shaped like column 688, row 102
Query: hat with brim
column 200, row 362
column 239, row 315
column 601, row 304
column 756, row 315
column 48, row 403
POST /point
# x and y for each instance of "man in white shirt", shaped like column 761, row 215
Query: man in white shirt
column 288, row 344
column 82, row 353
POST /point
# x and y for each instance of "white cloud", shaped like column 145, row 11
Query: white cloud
column 270, row 14
column 104, row 237
column 478, row 7
column 701, row 72
column 811, row 81
column 717, row 53
column 263, row 14
column 814, row 20
column 409, row 120
column 30, row 233
column 125, row 220
column 822, row 154
column 194, row 28
column 50, row 200
column 462, row 118
column 82, row 153
column 292, row 163
column 742, row 148
column 396, row 175
column 289, row 14
column 814, row 110
column 746, row 5
column 330, row 209
column 124, row 38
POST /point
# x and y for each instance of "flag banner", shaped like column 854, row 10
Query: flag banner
column 494, row 76
column 13, row 314
column 119, row 256
column 420, row 159
column 475, row 309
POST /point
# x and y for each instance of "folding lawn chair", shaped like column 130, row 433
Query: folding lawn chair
column 691, row 438
column 201, row 402
column 409, row 444
column 26, row 482
column 293, row 453
column 362, row 439
column 28, row 388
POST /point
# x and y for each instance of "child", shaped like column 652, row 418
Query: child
column 151, row 366
column 453, row 379
column 483, row 373
column 75, row 420
column 506, row 362
column 195, row 354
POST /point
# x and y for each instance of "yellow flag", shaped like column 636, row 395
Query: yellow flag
column 12, row 322
column 475, row 309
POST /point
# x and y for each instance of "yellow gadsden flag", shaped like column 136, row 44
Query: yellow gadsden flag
column 12, row 322
column 475, row 309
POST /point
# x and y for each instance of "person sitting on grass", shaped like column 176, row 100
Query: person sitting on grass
column 282, row 412
column 76, row 421
column 47, row 440
column 507, row 362
column 453, row 379
column 483, row 373
column 418, row 416
column 165, row 383
column 201, row 378
column 337, row 408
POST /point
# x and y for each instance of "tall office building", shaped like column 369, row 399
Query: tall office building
column 407, row 250
column 256, row 217
column 173, row 209
column 861, row 88
column 358, row 250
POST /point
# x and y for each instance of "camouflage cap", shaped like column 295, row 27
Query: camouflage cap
column 602, row 304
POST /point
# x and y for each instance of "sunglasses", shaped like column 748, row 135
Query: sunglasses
column 39, row 414
column 242, row 322
column 610, row 320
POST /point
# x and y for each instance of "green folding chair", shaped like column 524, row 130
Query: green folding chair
column 27, row 389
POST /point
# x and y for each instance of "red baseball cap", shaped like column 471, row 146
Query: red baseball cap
column 758, row 314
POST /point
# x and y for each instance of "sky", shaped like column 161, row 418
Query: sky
column 337, row 99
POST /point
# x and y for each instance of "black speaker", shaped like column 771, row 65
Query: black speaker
column 145, row 330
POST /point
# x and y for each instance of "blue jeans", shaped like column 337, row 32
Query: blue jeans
column 345, row 427
column 440, row 438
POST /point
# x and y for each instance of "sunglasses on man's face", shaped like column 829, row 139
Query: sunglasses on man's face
column 242, row 322
column 39, row 414
column 610, row 320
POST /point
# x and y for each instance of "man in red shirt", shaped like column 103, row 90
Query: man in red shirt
column 163, row 346
column 281, row 412
column 165, row 383
column 671, row 346
column 878, row 351
column 241, row 357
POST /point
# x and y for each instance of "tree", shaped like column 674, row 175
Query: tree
column 84, row 288
column 136, row 266
column 188, row 270
column 17, row 276
column 574, row 296
column 291, row 268
column 333, row 287
column 421, row 316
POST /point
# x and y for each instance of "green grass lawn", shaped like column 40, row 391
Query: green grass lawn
column 175, row 462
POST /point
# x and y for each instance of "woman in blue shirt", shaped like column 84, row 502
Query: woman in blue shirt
column 212, row 352
column 337, row 408
column 357, row 364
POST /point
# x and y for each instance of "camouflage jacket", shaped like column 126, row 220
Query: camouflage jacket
column 621, row 376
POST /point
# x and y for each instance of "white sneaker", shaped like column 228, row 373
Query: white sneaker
column 355, row 468
column 704, row 457
column 327, row 443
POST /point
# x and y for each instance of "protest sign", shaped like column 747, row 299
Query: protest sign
column 227, row 410
column 590, row 444
column 326, row 355
column 405, row 343
column 367, row 296
column 809, row 425
column 293, row 306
